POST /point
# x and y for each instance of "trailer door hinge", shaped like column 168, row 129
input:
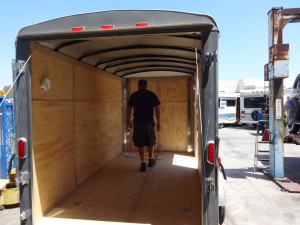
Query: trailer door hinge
column 18, row 65
column 210, row 185
column 25, row 215
column 24, row 178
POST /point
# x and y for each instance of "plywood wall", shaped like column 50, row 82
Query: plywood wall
column 173, row 94
column 76, row 125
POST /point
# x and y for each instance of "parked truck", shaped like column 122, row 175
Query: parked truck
column 73, row 78
column 292, row 107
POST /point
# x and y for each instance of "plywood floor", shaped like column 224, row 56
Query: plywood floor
column 120, row 194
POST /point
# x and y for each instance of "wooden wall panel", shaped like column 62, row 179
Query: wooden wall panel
column 173, row 90
column 94, row 85
column 53, row 148
column 72, row 137
column 99, row 136
column 173, row 95
column 57, row 68
column 173, row 134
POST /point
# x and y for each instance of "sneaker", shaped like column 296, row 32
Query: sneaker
column 143, row 167
column 152, row 162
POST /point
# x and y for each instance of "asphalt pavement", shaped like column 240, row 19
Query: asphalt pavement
column 253, row 198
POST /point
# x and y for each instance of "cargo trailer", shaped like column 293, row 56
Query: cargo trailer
column 73, row 78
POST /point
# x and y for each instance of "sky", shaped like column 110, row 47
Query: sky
column 243, row 25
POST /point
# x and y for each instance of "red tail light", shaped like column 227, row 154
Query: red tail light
column 144, row 24
column 77, row 28
column 211, row 152
column 22, row 148
column 107, row 26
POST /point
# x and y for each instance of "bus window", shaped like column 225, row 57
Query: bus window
column 254, row 102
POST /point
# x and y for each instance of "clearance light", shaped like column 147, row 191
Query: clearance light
column 77, row 28
column 22, row 147
column 107, row 26
column 144, row 24
column 211, row 152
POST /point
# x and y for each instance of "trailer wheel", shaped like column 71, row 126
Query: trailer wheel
column 254, row 115
column 221, row 214
column 292, row 110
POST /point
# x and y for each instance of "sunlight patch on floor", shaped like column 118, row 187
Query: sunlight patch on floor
column 185, row 161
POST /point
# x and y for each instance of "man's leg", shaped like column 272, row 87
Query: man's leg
column 150, row 151
column 142, row 153
column 152, row 161
column 142, row 157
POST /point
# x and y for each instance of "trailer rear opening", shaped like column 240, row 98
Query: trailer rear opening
column 75, row 90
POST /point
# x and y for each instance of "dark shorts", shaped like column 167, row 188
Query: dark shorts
column 144, row 134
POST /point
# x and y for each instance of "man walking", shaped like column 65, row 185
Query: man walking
column 144, row 103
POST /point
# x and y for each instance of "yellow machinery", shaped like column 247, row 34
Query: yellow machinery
column 9, row 193
column 2, row 93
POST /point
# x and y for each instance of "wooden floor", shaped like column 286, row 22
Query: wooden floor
column 120, row 194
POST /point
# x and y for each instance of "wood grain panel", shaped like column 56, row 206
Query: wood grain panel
column 173, row 133
column 173, row 90
column 54, row 66
column 94, row 85
column 118, row 194
column 53, row 148
column 98, row 136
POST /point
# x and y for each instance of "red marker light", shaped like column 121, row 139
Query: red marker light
column 211, row 152
column 144, row 24
column 107, row 26
column 22, row 147
column 77, row 28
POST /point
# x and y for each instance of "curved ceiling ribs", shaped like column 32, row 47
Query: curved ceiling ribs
column 145, row 56
column 132, row 47
column 153, row 66
column 170, row 55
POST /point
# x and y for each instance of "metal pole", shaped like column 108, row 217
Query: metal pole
column 276, row 94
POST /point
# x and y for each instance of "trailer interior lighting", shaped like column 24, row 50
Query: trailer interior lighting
column 144, row 24
column 185, row 161
column 211, row 152
column 107, row 26
column 77, row 28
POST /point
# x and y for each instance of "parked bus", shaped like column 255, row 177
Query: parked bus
column 251, row 104
column 229, row 109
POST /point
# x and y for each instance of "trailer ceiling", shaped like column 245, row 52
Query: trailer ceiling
column 135, row 55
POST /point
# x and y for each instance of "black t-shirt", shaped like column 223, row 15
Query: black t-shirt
column 143, row 101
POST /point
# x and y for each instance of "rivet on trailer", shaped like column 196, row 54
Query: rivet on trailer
column 71, row 100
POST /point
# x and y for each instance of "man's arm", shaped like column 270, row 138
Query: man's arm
column 129, row 122
column 157, row 114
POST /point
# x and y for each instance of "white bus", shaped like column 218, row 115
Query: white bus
column 251, row 104
column 229, row 109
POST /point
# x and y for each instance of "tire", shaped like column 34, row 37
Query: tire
column 221, row 214
column 254, row 115
column 292, row 109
